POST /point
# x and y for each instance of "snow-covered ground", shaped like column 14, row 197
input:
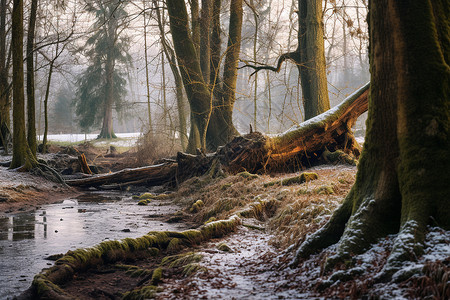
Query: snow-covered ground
column 124, row 139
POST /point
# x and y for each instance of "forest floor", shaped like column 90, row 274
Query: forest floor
column 252, row 262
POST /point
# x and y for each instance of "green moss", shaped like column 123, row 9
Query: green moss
column 146, row 292
column 220, row 228
column 181, row 260
column 247, row 175
column 224, row 247
column 304, row 177
column 146, row 196
column 144, row 202
column 339, row 156
column 153, row 251
column 190, row 269
column 45, row 289
column 174, row 245
column 324, row 190
column 157, row 276
column 197, row 206
column 212, row 219
column 193, row 236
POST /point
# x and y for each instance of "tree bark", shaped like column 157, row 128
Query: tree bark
column 31, row 109
column 4, row 86
column 398, row 187
column 196, row 89
column 221, row 129
column 215, row 42
column 22, row 157
column 107, row 131
column 311, row 62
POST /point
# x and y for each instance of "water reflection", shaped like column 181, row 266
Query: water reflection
column 17, row 228
column 26, row 239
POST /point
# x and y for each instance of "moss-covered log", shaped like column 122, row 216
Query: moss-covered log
column 402, row 181
column 297, row 148
column 302, row 145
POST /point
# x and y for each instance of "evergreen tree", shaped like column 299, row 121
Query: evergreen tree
column 101, row 86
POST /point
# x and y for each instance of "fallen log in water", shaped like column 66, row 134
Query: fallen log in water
column 300, row 147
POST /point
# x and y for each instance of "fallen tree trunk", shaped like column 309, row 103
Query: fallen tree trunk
column 303, row 145
column 151, row 176
column 300, row 147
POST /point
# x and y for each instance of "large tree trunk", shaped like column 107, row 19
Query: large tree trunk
column 19, row 138
column 31, row 109
column 221, row 129
column 198, row 94
column 402, row 180
column 311, row 63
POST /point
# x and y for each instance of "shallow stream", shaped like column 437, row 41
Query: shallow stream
column 27, row 239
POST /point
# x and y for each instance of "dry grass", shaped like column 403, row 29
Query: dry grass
column 152, row 147
column 299, row 208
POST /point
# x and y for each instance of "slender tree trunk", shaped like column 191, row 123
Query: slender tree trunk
column 205, row 48
column 195, row 21
column 4, row 90
column 31, row 101
column 149, row 110
column 178, row 80
column 402, row 180
column 311, row 62
column 215, row 43
column 107, row 131
column 47, row 93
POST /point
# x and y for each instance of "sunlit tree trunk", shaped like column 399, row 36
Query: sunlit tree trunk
column 311, row 63
column 221, row 129
column 402, row 180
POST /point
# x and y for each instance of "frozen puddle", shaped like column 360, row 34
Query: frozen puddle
column 27, row 239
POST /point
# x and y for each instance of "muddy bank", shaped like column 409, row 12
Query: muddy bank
column 21, row 191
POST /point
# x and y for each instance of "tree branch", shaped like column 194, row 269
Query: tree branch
column 285, row 56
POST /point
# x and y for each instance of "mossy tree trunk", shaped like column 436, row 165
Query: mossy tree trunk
column 221, row 129
column 201, row 81
column 198, row 94
column 22, row 157
column 311, row 63
column 402, row 180
column 31, row 110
